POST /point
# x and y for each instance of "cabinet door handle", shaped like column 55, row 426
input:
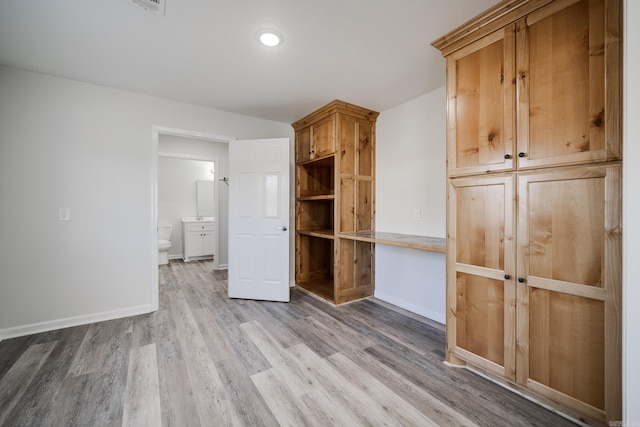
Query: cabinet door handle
column 507, row 277
column 521, row 279
column 507, row 156
column 521, row 154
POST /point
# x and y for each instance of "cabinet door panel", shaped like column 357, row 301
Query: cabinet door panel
column 566, row 222
column 324, row 137
column 208, row 243
column 303, row 145
column 480, row 225
column 563, row 90
column 480, row 256
column 566, row 342
column 480, row 316
column 569, row 245
column 481, row 115
column 193, row 245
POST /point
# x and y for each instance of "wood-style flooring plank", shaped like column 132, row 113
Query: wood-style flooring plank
column 280, row 399
column 142, row 401
column 177, row 402
column 15, row 382
column 372, row 403
column 249, row 403
column 41, row 394
column 292, row 373
column 208, row 391
column 429, row 405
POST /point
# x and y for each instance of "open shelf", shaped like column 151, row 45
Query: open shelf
column 319, row 197
column 315, row 214
column 320, row 162
column 322, row 288
column 323, row 234
column 315, row 178
column 315, row 262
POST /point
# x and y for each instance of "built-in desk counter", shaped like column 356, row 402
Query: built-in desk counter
column 425, row 243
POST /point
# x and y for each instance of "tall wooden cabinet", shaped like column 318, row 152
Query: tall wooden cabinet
column 335, row 189
column 534, row 199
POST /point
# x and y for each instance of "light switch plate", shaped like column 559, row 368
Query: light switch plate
column 64, row 214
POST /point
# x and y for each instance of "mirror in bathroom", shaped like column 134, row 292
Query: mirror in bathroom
column 204, row 198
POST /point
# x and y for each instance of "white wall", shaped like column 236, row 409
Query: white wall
column 170, row 205
column 410, row 175
column 631, row 216
column 88, row 148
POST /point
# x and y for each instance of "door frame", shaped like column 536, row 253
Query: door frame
column 156, row 131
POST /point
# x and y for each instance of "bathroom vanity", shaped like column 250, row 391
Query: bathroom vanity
column 198, row 238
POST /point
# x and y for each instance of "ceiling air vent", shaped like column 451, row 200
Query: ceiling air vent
column 155, row 6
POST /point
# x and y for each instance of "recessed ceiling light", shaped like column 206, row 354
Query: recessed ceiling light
column 269, row 37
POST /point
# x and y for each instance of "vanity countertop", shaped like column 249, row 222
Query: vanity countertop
column 194, row 219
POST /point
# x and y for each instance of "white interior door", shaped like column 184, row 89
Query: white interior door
column 259, row 219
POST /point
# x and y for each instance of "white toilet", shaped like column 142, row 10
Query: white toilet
column 164, row 243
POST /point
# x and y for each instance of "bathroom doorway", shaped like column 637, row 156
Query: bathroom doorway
column 186, row 196
column 196, row 147
column 188, row 136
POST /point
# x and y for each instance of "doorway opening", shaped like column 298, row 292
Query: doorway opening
column 169, row 144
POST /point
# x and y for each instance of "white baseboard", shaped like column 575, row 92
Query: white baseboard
column 35, row 328
column 223, row 267
column 178, row 256
column 429, row 314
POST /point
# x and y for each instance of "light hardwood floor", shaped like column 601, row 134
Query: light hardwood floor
column 206, row 360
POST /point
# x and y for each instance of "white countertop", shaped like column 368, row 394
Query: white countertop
column 194, row 219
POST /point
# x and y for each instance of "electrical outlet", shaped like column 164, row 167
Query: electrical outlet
column 64, row 214
column 417, row 214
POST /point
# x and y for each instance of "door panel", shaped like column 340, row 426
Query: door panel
column 480, row 316
column 482, row 226
column 569, row 243
column 259, row 219
column 563, row 116
column 303, row 147
column 208, row 243
column 481, row 99
column 323, row 134
column 563, row 325
column 566, row 222
column 481, row 293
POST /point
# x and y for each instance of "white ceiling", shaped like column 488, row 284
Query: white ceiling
column 374, row 53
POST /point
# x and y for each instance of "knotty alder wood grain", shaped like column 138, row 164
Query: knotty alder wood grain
column 481, row 105
column 335, row 189
column 203, row 359
column 538, row 82
column 425, row 243
column 564, row 82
